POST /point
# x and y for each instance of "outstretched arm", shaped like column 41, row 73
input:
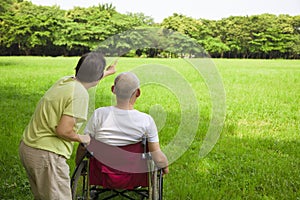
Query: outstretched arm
column 110, row 69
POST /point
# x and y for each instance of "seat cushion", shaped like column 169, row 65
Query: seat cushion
column 108, row 177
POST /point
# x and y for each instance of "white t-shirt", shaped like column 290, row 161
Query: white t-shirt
column 119, row 127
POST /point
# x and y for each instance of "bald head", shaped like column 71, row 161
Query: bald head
column 125, row 85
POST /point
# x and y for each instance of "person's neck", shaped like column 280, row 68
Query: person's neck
column 126, row 105
column 85, row 84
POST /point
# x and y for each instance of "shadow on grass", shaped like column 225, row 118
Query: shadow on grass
column 8, row 63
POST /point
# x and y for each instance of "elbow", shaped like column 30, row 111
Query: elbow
column 59, row 131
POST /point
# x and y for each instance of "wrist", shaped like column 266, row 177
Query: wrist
column 79, row 138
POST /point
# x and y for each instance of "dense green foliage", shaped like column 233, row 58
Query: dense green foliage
column 256, row 157
column 28, row 29
column 257, row 36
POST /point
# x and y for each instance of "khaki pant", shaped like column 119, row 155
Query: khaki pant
column 48, row 173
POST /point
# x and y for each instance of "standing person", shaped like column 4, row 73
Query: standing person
column 47, row 141
column 122, row 125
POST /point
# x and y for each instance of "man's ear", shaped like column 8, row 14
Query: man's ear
column 113, row 89
column 138, row 92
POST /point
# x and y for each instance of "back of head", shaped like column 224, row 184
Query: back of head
column 125, row 85
column 90, row 67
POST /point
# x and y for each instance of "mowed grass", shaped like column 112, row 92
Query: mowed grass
column 256, row 156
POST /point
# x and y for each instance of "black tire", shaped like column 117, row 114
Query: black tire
column 160, row 184
column 157, row 185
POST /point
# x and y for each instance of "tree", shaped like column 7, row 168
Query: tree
column 86, row 28
column 234, row 33
column 211, row 39
column 26, row 26
column 142, row 19
column 215, row 47
column 272, row 36
column 295, row 50
column 29, row 29
column 5, row 4
column 182, row 24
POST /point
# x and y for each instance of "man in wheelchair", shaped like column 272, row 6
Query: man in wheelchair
column 121, row 126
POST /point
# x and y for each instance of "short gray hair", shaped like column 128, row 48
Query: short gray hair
column 90, row 67
column 126, row 84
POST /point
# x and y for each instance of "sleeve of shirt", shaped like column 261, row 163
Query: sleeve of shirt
column 77, row 106
column 152, row 131
column 91, row 126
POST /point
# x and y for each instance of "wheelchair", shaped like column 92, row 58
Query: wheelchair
column 110, row 172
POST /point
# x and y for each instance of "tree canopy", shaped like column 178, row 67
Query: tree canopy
column 29, row 29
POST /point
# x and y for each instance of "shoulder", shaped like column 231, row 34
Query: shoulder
column 146, row 117
column 69, row 84
column 66, row 80
column 103, row 110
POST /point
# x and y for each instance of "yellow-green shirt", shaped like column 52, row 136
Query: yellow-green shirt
column 66, row 97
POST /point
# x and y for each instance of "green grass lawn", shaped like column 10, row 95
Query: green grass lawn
column 256, row 156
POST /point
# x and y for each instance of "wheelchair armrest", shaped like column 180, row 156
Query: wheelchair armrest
column 146, row 156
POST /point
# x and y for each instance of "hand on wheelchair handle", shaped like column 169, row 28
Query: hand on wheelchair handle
column 165, row 170
column 85, row 139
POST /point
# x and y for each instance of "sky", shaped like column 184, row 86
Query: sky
column 208, row 9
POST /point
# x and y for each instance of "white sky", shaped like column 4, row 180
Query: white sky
column 208, row 9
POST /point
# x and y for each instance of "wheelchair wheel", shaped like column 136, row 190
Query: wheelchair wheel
column 155, row 182
column 79, row 182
